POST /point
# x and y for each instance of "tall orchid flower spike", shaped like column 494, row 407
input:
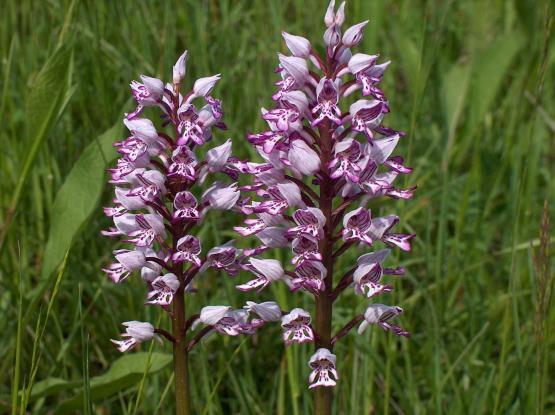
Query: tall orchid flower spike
column 159, row 203
column 324, row 159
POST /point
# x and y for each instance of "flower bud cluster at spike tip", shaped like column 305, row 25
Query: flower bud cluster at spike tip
column 319, row 145
column 167, row 180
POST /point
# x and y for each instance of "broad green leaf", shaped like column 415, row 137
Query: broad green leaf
column 45, row 101
column 78, row 198
column 125, row 372
column 75, row 202
column 490, row 69
column 50, row 386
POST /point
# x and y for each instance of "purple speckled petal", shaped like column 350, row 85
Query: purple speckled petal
column 324, row 373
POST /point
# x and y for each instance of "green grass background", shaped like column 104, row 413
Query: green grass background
column 472, row 84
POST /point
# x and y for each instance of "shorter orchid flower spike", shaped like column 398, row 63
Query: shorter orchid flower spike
column 353, row 35
column 203, row 86
column 323, row 372
column 179, row 68
column 298, row 45
column 297, row 328
column 136, row 332
column 159, row 179
column 267, row 311
column 380, row 314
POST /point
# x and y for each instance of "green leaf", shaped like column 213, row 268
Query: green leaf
column 75, row 202
column 45, row 100
column 125, row 372
column 489, row 72
column 50, row 386
column 78, row 198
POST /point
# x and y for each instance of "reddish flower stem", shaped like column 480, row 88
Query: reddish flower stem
column 306, row 199
column 324, row 303
column 180, row 355
column 346, row 203
column 344, row 282
column 190, row 321
column 190, row 274
column 342, row 249
column 159, row 261
column 347, row 328
column 199, row 337
column 166, row 334
column 161, row 210
column 345, row 132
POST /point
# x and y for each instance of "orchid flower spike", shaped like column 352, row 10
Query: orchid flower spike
column 157, row 212
column 323, row 158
